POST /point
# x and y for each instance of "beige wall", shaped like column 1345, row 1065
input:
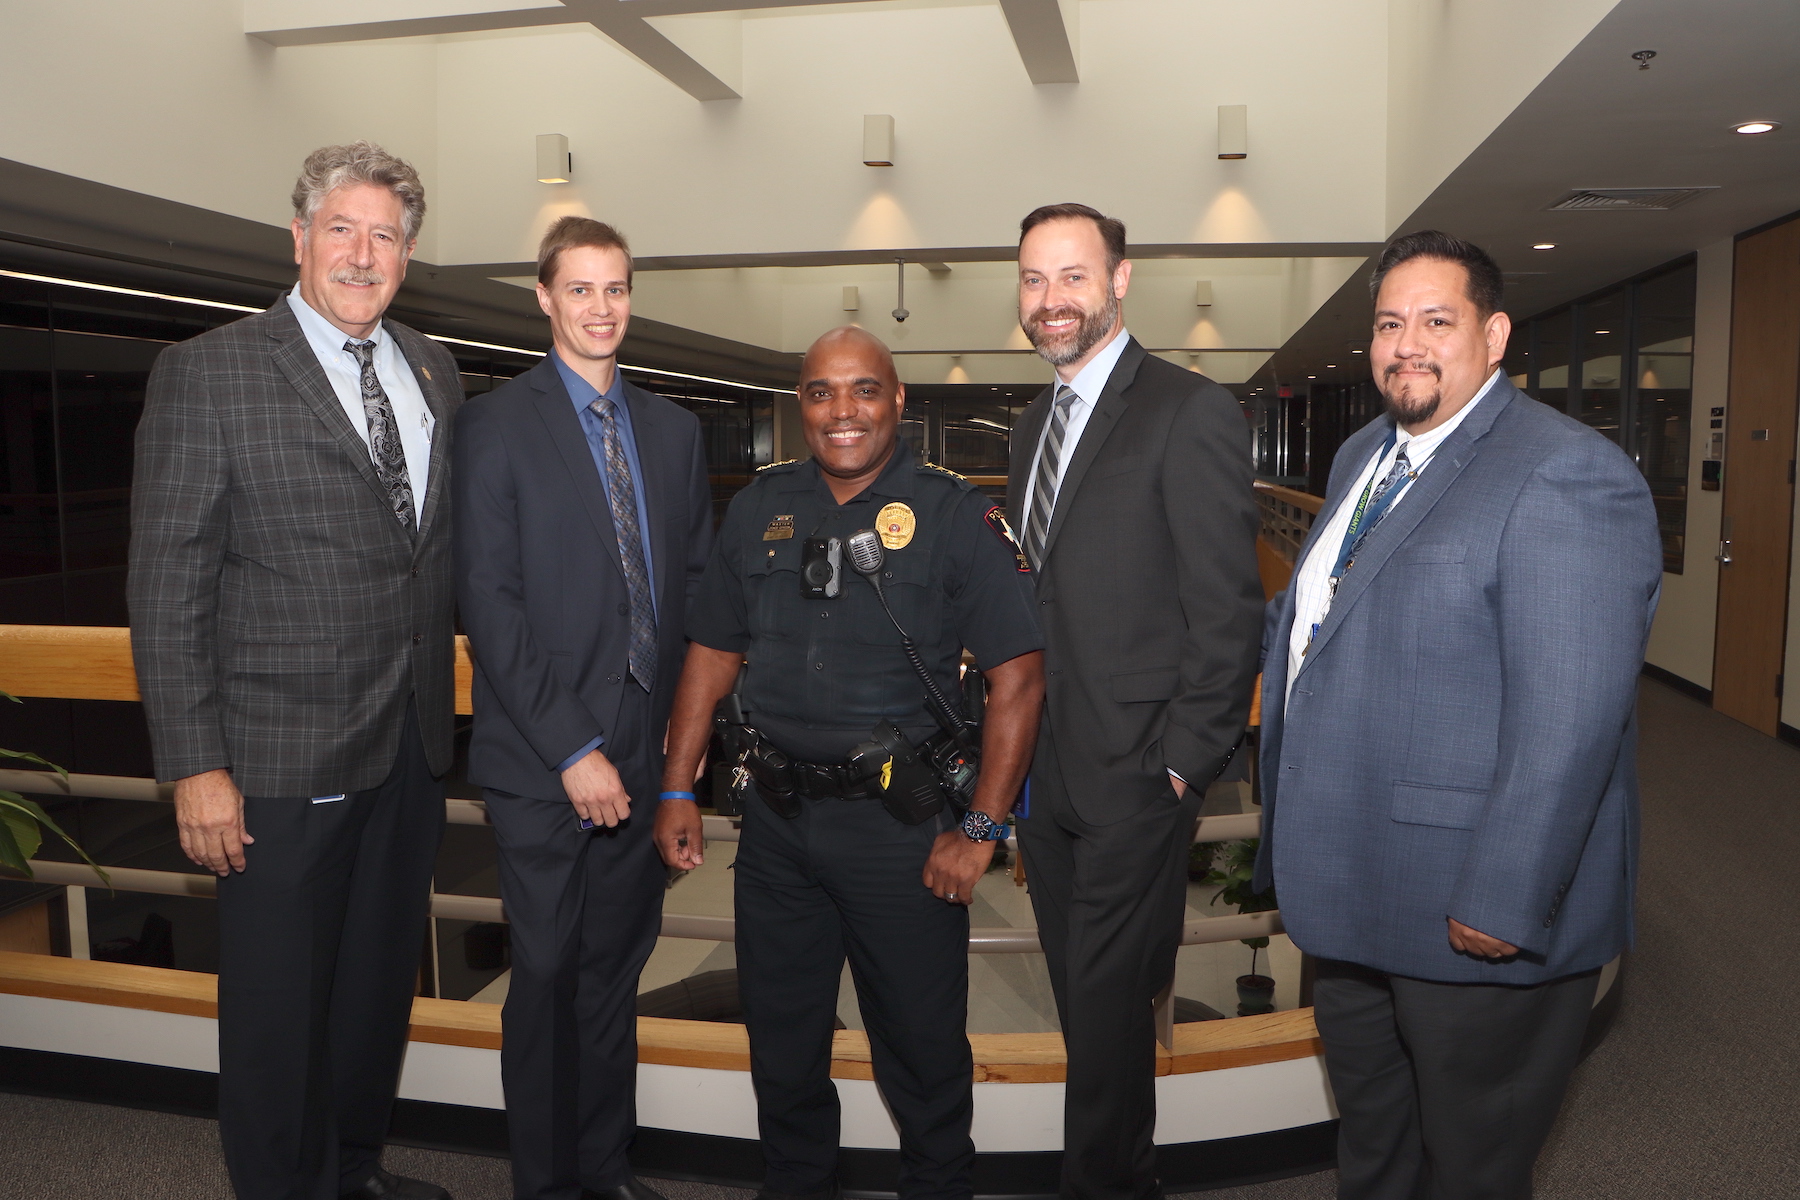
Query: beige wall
column 1681, row 641
column 1455, row 69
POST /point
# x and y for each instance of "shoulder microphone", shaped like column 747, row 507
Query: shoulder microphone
column 866, row 553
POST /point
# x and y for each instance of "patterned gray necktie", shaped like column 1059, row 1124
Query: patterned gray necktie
column 1043, row 486
column 384, row 437
column 623, row 499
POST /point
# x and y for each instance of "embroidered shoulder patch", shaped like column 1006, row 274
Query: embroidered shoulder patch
column 996, row 521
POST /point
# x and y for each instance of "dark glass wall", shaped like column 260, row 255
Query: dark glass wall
column 1621, row 362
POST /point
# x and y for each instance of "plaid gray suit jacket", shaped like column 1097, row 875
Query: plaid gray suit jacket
column 280, row 616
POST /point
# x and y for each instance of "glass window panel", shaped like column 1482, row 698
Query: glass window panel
column 1551, row 347
column 1601, row 326
column 1664, row 410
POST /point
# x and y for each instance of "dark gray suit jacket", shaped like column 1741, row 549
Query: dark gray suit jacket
column 542, row 591
column 280, row 615
column 1149, row 596
column 1461, row 741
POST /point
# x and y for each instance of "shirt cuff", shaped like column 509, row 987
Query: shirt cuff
column 582, row 753
column 1179, row 775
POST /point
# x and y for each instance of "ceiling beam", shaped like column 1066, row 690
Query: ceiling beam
column 1044, row 32
column 317, row 22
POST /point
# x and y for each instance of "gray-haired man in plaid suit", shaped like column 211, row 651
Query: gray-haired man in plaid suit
column 291, row 603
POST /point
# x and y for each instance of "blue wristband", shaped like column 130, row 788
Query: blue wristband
column 677, row 796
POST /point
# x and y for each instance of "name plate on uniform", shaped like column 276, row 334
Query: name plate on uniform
column 780, row 529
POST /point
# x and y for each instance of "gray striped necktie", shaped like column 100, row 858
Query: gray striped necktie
column 384, row 437
column 1043, row 484
column 623, row 499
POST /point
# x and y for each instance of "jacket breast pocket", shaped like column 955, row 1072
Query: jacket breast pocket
column 1124, row 465
column 284, row 658
column 1156, row 683
column 916, row 598
column 1444, row 807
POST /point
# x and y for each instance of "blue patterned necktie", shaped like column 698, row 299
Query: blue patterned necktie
column 384, row 437
column 623, row 499
column 1043, row 486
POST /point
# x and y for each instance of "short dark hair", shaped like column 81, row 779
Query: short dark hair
column 571, row 232
column 1112, row 230
column 1485, row 285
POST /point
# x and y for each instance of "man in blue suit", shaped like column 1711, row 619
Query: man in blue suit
column 584, row 521
column 1450, row 797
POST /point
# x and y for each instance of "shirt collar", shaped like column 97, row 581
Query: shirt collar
column 896, row 479
column 1091, row 380
column 581, row 392
column 1428, row 442
column 322, row 333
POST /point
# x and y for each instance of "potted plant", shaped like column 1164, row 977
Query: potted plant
column 22, row 821
column 1234, row 866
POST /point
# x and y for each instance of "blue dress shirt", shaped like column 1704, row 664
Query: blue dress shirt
column 583, row 394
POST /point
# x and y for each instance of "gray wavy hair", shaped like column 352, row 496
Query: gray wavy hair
column 331, row 167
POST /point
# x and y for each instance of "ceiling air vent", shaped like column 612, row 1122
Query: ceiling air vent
column 1626, row 199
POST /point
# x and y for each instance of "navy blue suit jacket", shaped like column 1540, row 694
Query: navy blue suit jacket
column 539, row 584
column 1460, row 742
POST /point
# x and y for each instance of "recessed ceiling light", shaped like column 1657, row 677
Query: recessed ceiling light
column 1602, row 331
column 1331, row 366
column 1312, row 376
column 1757, row 127
column 1543, row 245
column 1356, row 352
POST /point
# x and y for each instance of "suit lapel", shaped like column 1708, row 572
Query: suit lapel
column 1447, row 463
column 295, row 359
column 652, row 443
column 431, row 389
column 1022, row 450
column 564, row 428
column 1099, row 426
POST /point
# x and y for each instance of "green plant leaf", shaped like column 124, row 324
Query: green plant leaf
column 25, row 832
column 1261, row 943
column 10, row 856
column 10, row 801
column 27, row 756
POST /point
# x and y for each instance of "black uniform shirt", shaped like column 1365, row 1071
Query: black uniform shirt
column 824, row 672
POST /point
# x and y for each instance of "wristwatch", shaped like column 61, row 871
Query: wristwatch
column 979, row 827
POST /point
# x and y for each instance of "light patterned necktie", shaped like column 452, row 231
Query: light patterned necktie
column 1043, row 486
column 384, row 437
column 623, row 499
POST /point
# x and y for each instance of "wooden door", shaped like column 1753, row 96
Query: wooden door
column 1759, row 477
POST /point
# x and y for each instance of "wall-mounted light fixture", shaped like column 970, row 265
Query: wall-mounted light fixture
column 1234, row 131
column 852, row 298
column 1203, row 293
column 554, row 162
column 878, row 140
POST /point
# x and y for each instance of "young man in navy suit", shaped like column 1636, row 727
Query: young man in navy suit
column 584, row 521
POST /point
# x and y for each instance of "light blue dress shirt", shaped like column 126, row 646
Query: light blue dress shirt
column 583, row 394
column 412, row 416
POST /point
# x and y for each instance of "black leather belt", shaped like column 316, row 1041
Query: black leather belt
column 776, row 772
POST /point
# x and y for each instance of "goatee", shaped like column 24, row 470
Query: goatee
column 1405, row 406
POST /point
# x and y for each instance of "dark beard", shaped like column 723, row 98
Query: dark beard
column 1089, row 331
column 1408, row 410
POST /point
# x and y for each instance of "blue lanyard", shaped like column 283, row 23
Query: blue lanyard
column 1368, row 515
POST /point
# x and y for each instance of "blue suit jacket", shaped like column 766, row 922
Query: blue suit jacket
column 539, row 582
column 1461, row 739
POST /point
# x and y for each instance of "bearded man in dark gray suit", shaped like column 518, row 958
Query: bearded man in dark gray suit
column 291, row 605
column 1130, row 485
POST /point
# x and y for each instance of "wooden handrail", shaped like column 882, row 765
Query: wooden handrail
column 999, row 1057
column 93, row 662
column 1301, row 500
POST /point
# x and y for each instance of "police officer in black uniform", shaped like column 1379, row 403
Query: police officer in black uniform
column 824, row 867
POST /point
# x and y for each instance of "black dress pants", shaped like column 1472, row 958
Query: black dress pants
column 1446, row 1090
column 319, row 941
column 1109, row 901
column 583, row 906
column 844, row 878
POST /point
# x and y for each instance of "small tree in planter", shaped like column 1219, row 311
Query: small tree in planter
column 22, row 821
column 1233, row 868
